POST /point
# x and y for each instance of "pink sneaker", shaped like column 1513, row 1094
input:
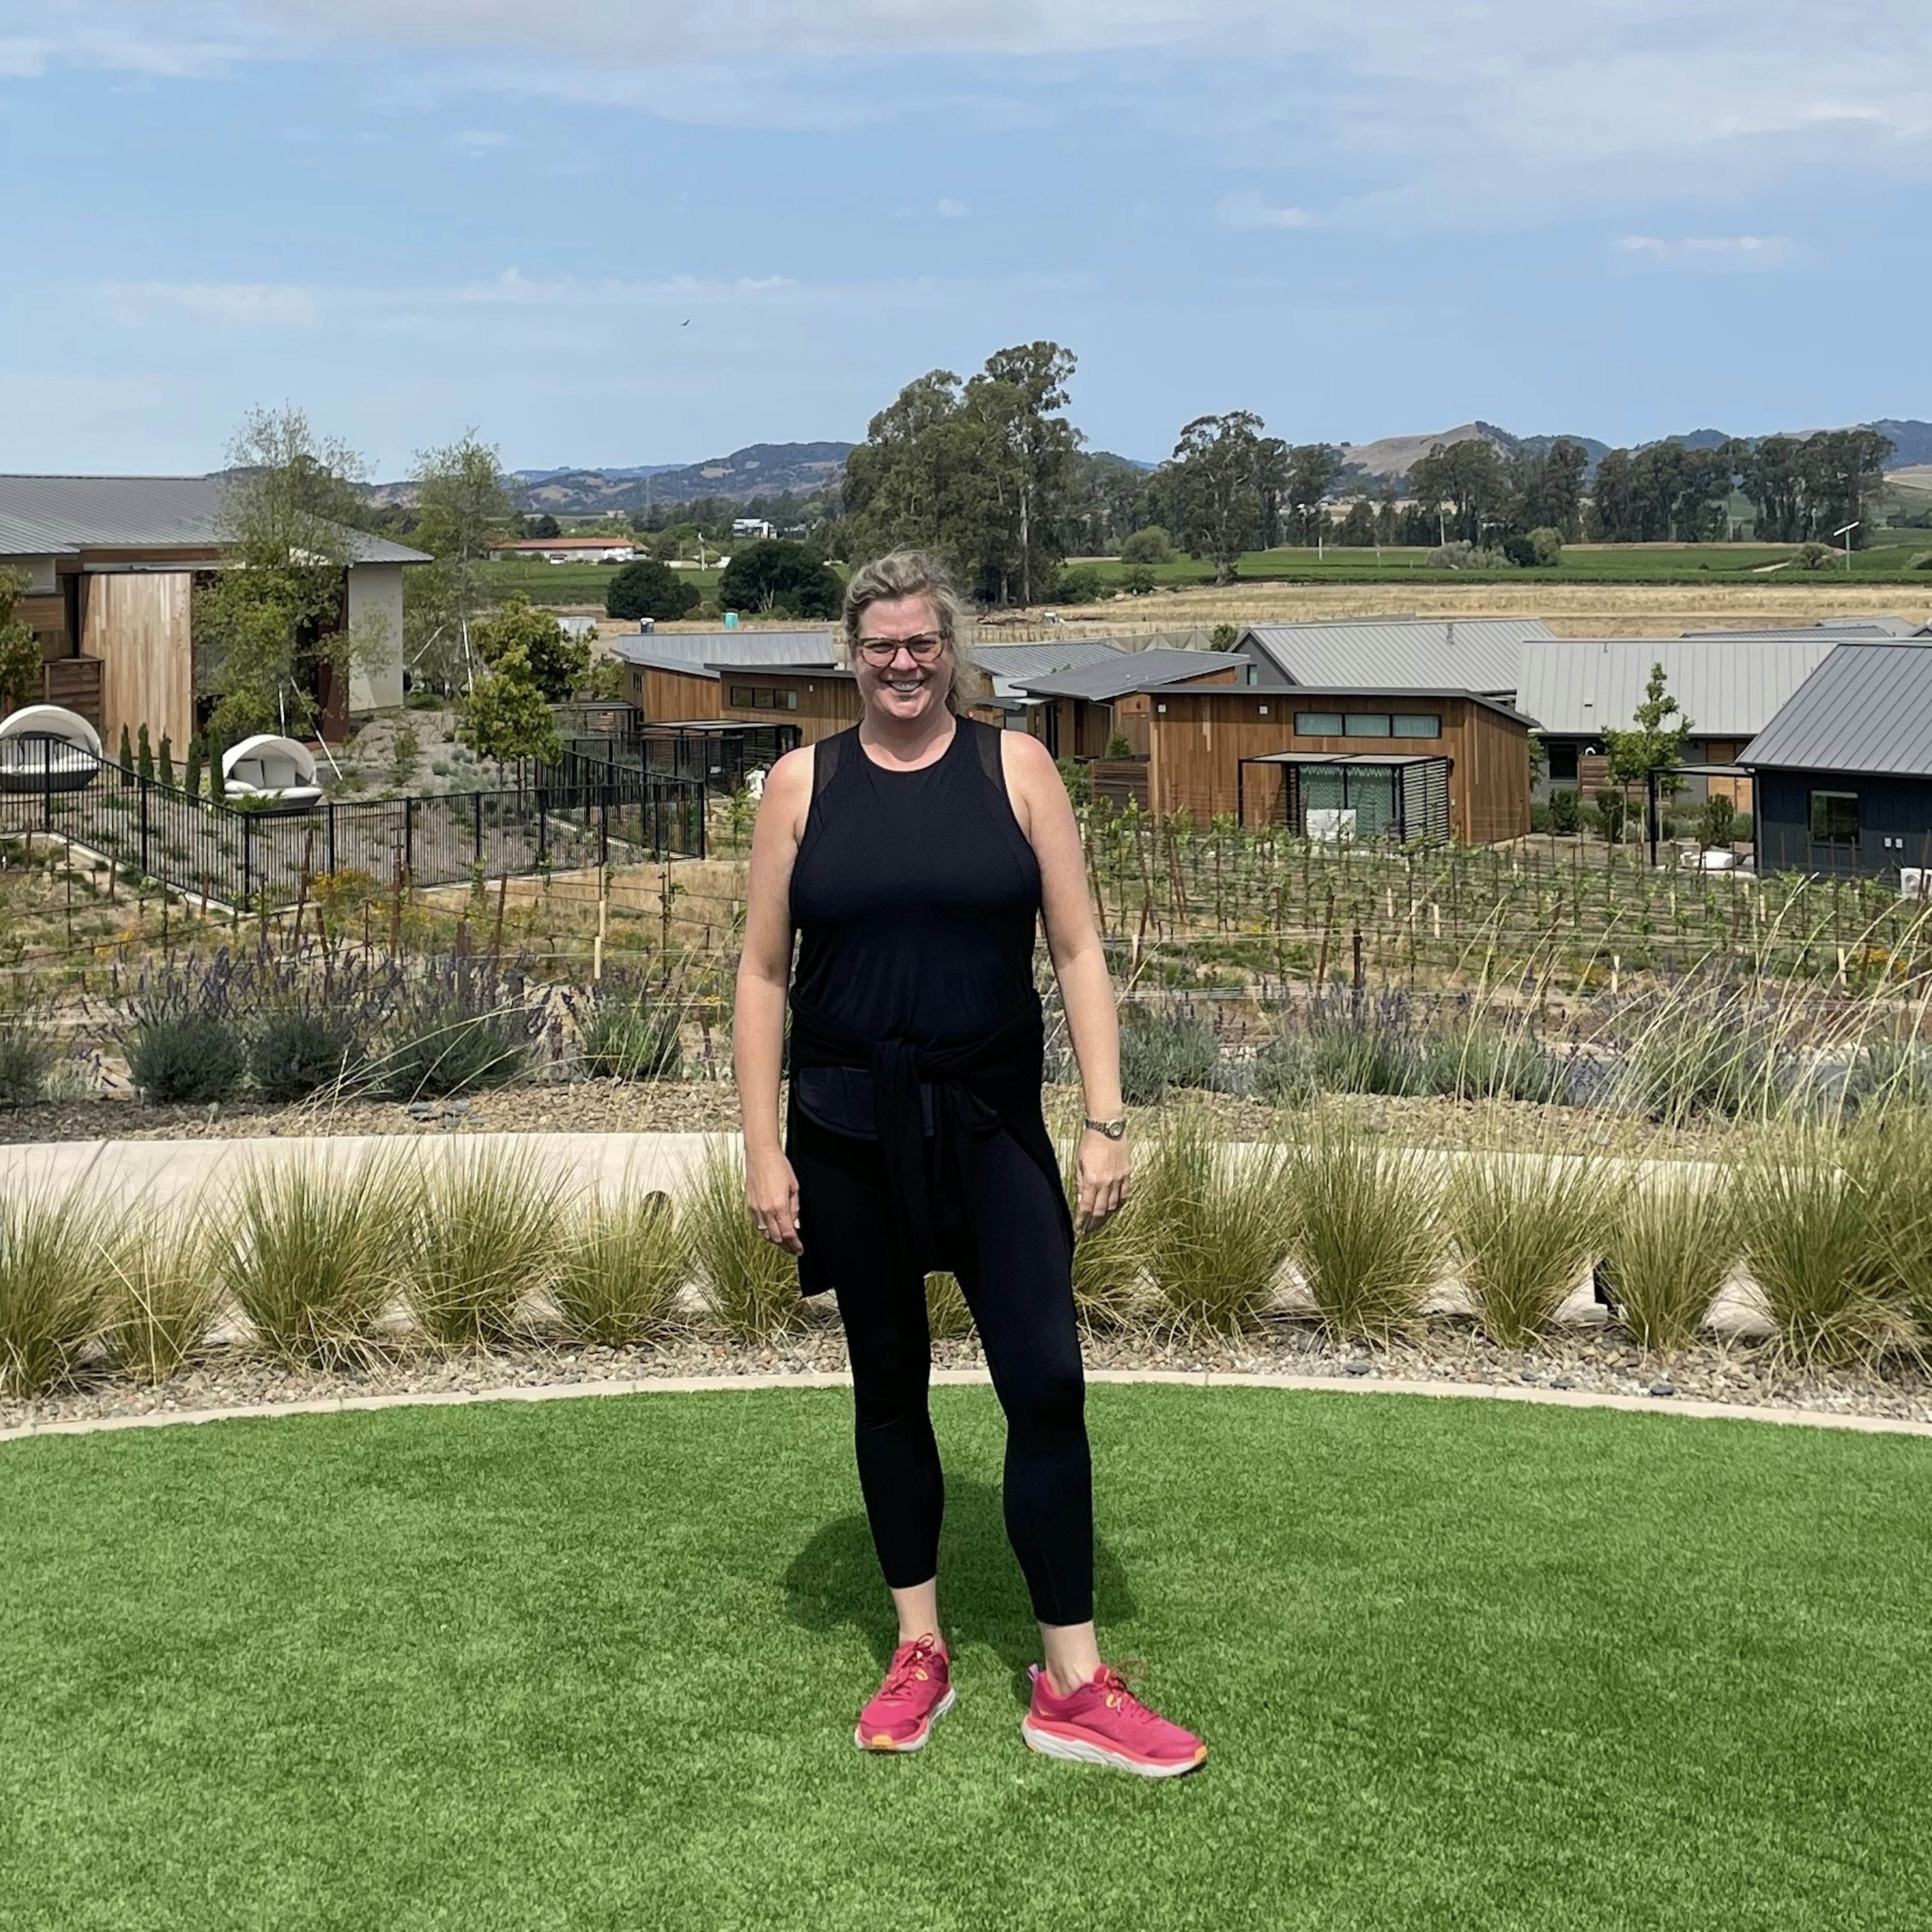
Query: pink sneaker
column 918, row 1688
column 1104, row 1722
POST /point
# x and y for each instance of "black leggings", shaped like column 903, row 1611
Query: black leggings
column 1009, row 1250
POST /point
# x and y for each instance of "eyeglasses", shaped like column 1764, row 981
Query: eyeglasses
column 881, row 651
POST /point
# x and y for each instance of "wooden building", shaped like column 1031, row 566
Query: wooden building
column 681, row 677
column 112, row 563
column 1197, row 744
column 1074, row 712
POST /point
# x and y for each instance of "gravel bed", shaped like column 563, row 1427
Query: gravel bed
column 1745, row 1374
column 709, row 1106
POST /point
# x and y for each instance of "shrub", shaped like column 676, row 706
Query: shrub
column 1118, row 747
column 1566, row 812
column 1359, row 1053
column 648, row 589
column 457, row 1031
column 314, row 1251
column 1812, row 1228
column 618, row 1276
column 1518, row 550
column 1078, row 777
column 1284, row 1071
column 1138, row 581
column 297, row 1051
column 1717, row 819
column 50, row 1298
column 773, row 570
column 625, row 1036
column 483, row 1229
column 1161, row 1049
column 1922, row 560
column 1612, row 814
column 1217, row 1228
column 1151, row 545
column 1476, row 1059
column 186, row 1059
column 1815, row 555
column 27, row 1058
column 749, row 1284
column 1672, row 1245
column 1223, row 637
column 161, row 1288
column 1527, row 1230
column 1079, row 583
column 1546, row 547
column 1367, row 1233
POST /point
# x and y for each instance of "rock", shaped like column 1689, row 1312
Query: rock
column 1563, row 1382
column 1662, row 1388
column 1357, row 1368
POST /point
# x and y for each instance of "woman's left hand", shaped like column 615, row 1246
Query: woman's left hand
column 1103, row 1169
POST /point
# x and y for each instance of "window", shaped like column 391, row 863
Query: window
column 1835, row 817
column 1366, row 724
column 762, row 697
column 1318, row 724
column 1563, row 760
column 1416, row 724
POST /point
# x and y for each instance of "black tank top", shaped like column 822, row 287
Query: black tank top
column 915, row 894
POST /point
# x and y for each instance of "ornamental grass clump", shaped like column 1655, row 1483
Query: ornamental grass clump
column 485, row 1230
column 620, row 1271
column 1352, row 1052
column 51, row 1248
column 161, row 1284
column 749, row 1284
column 1216, row 1231
column 1527, row 1229
column 627, row 1031
column 1673, row 1244
column 297, row 1048
column 1817, row 1231
column 314, row 1250
column 947, row 1317
column 27, row 1057
column 1110, row 1262
column 1693, row 1057
column 1367, row 1231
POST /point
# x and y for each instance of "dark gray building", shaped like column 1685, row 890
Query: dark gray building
column 1843, row 773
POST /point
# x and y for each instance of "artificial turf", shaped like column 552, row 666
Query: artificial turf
column 596, row 1663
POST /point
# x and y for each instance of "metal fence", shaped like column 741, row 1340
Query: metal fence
column 717, row 756
column 575, row 814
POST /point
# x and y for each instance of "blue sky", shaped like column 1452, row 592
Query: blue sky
column 610, row 233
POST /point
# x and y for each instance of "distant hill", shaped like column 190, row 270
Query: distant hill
column 1389, row 458
column 760, row 469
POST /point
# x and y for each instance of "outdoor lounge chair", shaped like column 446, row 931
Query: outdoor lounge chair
column 44, row 748
column 275, row 773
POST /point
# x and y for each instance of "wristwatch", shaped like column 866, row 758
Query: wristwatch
column 1113, row 1128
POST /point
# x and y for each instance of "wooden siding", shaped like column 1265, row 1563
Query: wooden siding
column 826, row 703
column 671, row 696
column 1193, row 738
column 137, row 623
column 75, row 684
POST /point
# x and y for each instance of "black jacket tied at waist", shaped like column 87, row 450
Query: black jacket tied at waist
column 986, row 1084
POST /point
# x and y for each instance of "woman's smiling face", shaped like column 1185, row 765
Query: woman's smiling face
column 916, row 673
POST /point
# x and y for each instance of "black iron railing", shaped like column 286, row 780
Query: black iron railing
column 574, row 813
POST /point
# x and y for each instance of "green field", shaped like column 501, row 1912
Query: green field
column 595, row 1664
column 579, row 584
column 1696, row 564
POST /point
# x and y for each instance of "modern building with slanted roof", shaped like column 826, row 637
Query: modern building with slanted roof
column 681, row 677
column 1843, row 771
column 112, row 563
column 1074, row 711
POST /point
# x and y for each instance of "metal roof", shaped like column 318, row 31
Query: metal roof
column 699, row 653
column 1477, row 653
column 787, row 669
column 1729, row 685
column 1393, row 696
column 1867, row 708
column 1105, row 678
column 1013, row 667
column 1382, row 758
column 57, row 516
column 1839, row 627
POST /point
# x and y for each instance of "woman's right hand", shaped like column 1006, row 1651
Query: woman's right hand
column 771, row 1193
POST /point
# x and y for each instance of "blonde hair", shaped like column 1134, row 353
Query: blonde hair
column 906, row 573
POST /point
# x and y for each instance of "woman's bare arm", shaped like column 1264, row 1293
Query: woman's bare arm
column 1086, row 989
column 764, row 971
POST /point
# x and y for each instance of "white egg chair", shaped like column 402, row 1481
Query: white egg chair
column 271, row 772
column 46, row 748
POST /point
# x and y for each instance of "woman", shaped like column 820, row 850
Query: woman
column 914, row 856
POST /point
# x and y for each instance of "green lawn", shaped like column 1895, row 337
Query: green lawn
column 562, row 583
column 596, row 1664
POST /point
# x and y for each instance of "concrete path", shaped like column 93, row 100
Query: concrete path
column 1548, row 1398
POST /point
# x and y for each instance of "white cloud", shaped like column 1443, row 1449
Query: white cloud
column 1719, row 254
column 948, row 209
column 1245, row 208
column 224, row 304
column 479, row 141
column 514, row 288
